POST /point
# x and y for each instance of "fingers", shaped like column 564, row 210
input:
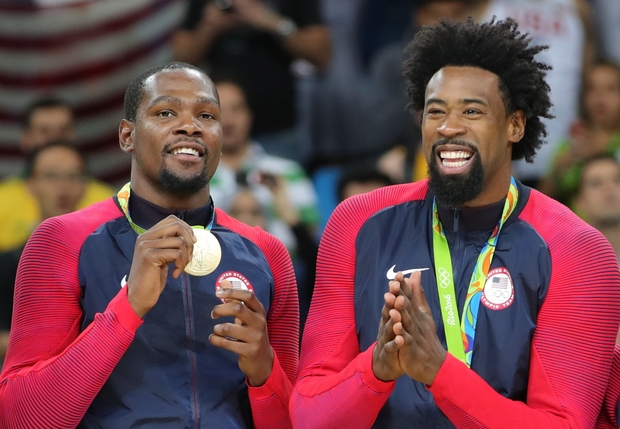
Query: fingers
column 241, row 295
column 417, row 295
column 170, row 227
column 238, row 347
column 232, row 332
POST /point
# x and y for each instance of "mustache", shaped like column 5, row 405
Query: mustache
column 167, row 147
column 456, row 142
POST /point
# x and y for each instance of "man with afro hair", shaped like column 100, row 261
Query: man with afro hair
column 496, row 306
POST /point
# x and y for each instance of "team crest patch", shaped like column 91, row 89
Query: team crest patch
column 237, row 280
column 499, row 291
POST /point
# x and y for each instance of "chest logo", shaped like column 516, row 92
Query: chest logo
column 237, row 280
column 391, row 273
column 499, row 291
column 124, row 282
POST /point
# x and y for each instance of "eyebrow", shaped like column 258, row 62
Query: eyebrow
column 462, row 101
column 175, row 100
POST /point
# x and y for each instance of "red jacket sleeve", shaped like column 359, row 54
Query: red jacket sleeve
column 52, row 372
column 336, row 386
column 573, row 343
column 269, row 402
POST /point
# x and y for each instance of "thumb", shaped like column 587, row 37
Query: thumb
column 415, row 282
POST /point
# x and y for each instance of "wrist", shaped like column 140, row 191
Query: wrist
column 434, row 370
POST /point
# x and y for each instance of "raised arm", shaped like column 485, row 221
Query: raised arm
column 52, row 372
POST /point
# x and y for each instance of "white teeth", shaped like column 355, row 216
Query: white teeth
column 456, row 154
column 186, row 150
column 453, row 164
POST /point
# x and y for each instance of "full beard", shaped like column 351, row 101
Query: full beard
column 456, row 190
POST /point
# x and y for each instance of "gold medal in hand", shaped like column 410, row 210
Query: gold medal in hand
column 207, row 254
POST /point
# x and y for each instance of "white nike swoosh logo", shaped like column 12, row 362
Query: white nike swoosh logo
column 124, row 281
column 391, row 274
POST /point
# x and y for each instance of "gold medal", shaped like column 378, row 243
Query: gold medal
column 207, row 254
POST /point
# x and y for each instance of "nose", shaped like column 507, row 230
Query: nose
column 451, row 126
column 188, row 125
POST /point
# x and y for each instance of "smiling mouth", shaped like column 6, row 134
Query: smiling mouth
column 454, row 158
column 185, row 151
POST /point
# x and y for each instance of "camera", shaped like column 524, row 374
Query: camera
column 224, row 5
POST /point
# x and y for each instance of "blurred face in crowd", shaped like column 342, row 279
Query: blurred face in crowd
column 599, row 198
column 246, row 208
column 602, row 96
column 236, row 117
column 430, row 13
column 47, row 124
column 57, row 181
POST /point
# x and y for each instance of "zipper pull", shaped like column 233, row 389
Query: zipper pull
column 455, row 223
column 181, row 214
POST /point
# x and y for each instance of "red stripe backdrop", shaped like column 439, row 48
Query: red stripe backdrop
column 85, row 52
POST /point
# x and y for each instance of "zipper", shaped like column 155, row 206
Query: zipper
column 457, row 258
column 187, row 295
column 191, row 352
column 455, row 223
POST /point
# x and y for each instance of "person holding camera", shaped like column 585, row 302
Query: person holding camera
column 258, row 39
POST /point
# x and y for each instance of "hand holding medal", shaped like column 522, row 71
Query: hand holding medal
column 169, row 242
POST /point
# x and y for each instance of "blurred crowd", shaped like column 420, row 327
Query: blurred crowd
column 314, row 106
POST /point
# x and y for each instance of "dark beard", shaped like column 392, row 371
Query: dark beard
column 456, row 190
column 184, row 186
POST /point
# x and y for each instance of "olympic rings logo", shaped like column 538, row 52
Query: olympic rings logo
column 444, row 278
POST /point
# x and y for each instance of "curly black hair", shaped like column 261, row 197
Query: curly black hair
column 135, row 90
column 495, row 46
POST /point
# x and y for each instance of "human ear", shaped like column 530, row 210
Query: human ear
column 126, row 136
column 516, row 129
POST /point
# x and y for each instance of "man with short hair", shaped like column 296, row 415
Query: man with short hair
column 153, row 308
column 45, row 120
column 514, row 328
column 56, row 176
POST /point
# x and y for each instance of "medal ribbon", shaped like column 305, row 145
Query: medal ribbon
column 460, row 340
column 123, row 200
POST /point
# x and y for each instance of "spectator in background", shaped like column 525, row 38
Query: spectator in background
column 247, row 208
column 361, row 180
column 259, row 39
column 565, row 26
column 598, row 131
column 598, row 198
column 46, row 120
column 392, row 127
column 244, row 163
column 56, row 178
column 282, row 187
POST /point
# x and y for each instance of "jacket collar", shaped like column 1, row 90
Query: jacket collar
column 146, row 214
